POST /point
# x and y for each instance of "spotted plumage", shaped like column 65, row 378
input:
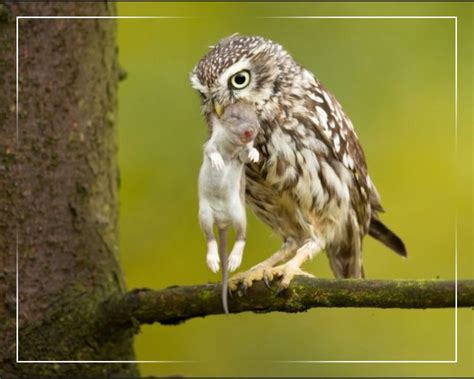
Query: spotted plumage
column 311, row 185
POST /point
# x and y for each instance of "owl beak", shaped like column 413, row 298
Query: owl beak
column 218, row 108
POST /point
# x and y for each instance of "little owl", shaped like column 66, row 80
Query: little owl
column 311, row 185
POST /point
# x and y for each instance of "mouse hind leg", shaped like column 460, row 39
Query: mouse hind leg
column 235, row 257
column 206, row 220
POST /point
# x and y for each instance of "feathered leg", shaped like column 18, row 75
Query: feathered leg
column 346, row 259
column 290, row 269
column 345, row 262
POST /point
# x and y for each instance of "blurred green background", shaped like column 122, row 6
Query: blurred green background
column 395, row 78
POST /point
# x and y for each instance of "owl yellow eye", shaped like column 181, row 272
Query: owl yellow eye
column 240, row 80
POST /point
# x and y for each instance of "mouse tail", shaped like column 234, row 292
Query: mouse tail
column 222, row 247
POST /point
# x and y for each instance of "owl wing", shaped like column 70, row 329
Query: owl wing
column 337, row 132
column 335, row 129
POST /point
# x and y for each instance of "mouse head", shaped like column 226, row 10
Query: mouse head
column 241, row 121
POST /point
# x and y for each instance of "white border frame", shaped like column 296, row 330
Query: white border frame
column 273, row 17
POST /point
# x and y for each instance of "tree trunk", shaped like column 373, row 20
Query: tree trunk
column 59, row 190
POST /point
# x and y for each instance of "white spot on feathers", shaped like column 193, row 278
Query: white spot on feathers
column 314, row 97
column 337, row 145
column 323, row 117
column 308, row 77
column 350, row 162
column 328, row 100
column 314, row 120
column 333, row 180
column 344, row 160
column 309, row 186
column 283, row 144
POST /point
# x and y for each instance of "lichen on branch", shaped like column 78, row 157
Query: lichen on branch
column 179, row 303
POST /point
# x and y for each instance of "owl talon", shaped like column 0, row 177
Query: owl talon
column 280, row 290
column 246, row 279
column 287, row 272
column 267, row 283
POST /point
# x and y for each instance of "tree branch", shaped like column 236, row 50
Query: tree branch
column 177, row 304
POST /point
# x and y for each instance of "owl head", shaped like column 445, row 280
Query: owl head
column 239, row 69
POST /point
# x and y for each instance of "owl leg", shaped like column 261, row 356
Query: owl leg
column 262, row 270
column 290, row 269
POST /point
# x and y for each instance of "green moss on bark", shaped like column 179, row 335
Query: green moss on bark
column 177, row 304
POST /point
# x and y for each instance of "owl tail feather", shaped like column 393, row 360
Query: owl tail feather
column 383, row 234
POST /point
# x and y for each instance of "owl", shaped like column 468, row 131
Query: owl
column 311, row 185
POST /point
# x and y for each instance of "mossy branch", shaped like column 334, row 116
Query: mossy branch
column 177, row 304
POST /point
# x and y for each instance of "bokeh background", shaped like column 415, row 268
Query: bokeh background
column 395, row 79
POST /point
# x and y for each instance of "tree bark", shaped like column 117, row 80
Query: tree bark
column 177, row 304
column 59, row 190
